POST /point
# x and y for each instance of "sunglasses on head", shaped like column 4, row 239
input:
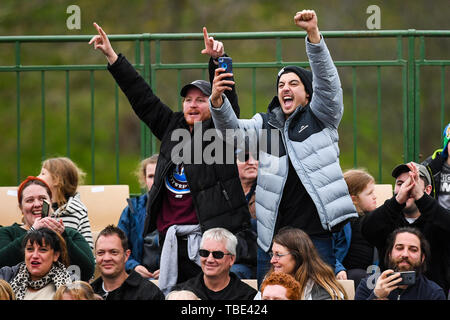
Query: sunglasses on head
column 216, row 254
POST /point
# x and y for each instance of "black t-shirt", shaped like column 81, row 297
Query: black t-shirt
column 235, row 290
column 296, row 208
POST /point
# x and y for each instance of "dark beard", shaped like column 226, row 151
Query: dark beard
column 412, row 266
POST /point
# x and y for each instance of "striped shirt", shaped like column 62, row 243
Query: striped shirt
column 74, row 215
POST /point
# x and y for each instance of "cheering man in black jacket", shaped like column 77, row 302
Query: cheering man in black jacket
column 188, row 192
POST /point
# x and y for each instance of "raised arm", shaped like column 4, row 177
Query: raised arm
column 327, row 101
column 215, row 49
column 221, row 109
column 147, row 106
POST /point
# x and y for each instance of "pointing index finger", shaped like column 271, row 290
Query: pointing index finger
column 205, row 35
column 100, row 30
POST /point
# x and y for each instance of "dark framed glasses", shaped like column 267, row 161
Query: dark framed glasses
column 216, row 254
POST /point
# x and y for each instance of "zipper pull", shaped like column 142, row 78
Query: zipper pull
column 224, row 192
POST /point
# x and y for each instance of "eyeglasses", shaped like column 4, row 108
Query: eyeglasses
column 277, row 255
column 216, row 254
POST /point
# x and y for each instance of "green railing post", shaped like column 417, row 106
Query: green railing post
column 17, row 53
column 380, row 135
column 43, row 115
column 117, row 146
column 442, row 100
column 355, row 129
column 150, row 77
column 67, row 114
column 411, row 111
column 92, row 82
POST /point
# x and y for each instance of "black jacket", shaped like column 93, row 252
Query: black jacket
column 434, row 166
column 134, row 287
column 236, row 289
column 215, row 188
column 423, row 289
column 434, row 223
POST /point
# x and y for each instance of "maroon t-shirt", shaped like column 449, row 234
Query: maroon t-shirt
column 177, row 206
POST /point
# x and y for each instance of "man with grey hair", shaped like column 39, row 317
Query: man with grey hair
column 216, row 282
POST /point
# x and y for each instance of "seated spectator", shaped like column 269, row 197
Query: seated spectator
column 354, row 254
column 44, row 268
column 407, row 250
column 248, row 172
column 63, row 178
column 182, row 295
column 280, row 286
column 412, row 206
column 114, row 283
column 216, row 282
column 78, row 290
column 132, row 221
column 31, row 194
column 294, row 253
column 6, row 292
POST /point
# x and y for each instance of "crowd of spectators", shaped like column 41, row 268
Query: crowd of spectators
column 285, row 216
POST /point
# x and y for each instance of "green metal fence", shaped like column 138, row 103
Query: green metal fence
column 148, row 60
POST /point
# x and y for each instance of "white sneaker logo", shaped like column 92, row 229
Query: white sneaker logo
column 302, row 128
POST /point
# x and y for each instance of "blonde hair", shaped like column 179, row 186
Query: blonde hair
column 141, row 170
column 6, row 291
column 308, row 263
column 66, row 177
column 357, row 180
column 79, row 290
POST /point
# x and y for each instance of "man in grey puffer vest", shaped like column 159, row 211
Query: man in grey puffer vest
column 300, row 181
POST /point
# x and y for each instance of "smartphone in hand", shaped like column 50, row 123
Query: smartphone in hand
column 45, row 209
column 227, row 64
column 408, row 278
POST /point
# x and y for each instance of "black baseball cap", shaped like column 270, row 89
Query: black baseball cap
column 203, row 85
column 423, row 172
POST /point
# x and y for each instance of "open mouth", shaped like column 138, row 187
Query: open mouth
column 288, row 101
column 35, row 264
